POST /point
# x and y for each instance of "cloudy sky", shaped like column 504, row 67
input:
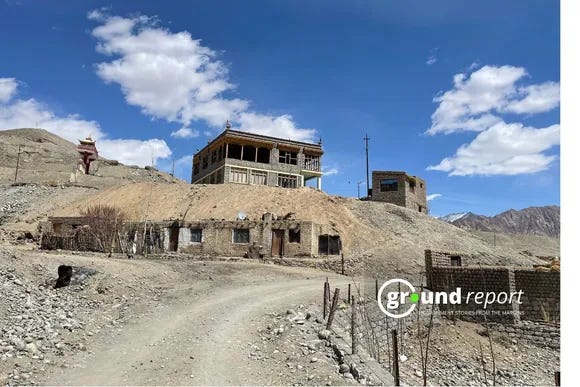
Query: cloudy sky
column 465, row 94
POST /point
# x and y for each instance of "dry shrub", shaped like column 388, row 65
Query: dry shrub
column 104, row 221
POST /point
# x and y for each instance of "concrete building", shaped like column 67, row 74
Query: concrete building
column 401, row 189
column 246, row 158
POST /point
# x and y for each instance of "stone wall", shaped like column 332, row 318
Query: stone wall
column 217, row 237
column 541, row 297
column 540, row 300
column 540, row 334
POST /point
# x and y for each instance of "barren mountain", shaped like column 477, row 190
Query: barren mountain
column 532, row 220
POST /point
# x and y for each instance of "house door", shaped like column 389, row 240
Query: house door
column 277, row 243
column 173, row 238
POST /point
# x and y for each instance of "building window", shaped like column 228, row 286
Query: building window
column 312, row 163
column 287, row 157
column 204, row 162
column 294, row 235
column 239, row 175
column 234, row 151
column 195, row 235
column 389, row 185
column 241, row 235
column 195, row 168
column 329, row 245
column 287, row 181
column 258, row 177
column 455, row 260
column 249, row 153
column 213, row 156
column 263, row 155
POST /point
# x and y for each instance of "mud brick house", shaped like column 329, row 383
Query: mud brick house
column 270, row 236
column 246, row 158
column 401, row 189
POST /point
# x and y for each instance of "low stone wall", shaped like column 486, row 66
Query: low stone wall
column 535, row 333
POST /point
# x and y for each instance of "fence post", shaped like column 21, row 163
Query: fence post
column 557, row 378
column 325, row 300
column 395, row 358
column 342, row 263
column 333, row 308
column 376, row 289
column 348, row 293
column 353, row 324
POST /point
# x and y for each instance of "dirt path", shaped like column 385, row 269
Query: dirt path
column 201, row 337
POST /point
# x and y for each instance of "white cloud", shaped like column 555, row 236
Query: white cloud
column 536, row 99
column 31, row 113
column 433, row 196
column 8, row 87
column 503, row 149
column 329, row 171
column 172, row 76
column 477, row 100
column 185, row 133
column 431, row 60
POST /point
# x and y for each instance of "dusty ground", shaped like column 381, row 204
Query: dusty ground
column 145, row 322
column 184, row 322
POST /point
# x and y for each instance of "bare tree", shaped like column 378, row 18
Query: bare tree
column 103, row 222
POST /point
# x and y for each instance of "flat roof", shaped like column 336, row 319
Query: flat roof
column 254, row 136
column 396, row 173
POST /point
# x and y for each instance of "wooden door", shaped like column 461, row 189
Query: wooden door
column 173, row 238
column 277, row 243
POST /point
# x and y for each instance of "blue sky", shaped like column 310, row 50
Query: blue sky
column 462, row 93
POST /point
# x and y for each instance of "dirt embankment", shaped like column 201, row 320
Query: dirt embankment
column 389, row 237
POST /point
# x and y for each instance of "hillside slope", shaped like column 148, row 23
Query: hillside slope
column 44, row 176
column 532, row 220
column 384, row 234
column 46, row 158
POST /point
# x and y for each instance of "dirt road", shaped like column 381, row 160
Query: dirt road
column 199, row 335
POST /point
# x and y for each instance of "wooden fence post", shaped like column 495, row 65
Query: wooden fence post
column 333, row 308
column 353, row 324
column 395, row 358
column 342, row 263
column 348, row 293
column 325, row 300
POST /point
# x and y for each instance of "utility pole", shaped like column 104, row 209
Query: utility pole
column 17, row 162
column 367, row 154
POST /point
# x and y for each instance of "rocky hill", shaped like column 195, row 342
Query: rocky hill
column 532, row 220
column 45, row 181
column 48, row 159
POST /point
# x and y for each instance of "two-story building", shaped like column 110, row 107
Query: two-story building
column 247, row 158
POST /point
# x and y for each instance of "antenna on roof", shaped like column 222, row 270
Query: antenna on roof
column 228, row 125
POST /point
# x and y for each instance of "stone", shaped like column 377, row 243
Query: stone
column 324, row 334
column 343, row 368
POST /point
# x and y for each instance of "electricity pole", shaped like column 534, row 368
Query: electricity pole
column 17, row 162
column 366, row 138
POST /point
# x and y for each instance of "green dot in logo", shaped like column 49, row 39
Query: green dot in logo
column 414, row 298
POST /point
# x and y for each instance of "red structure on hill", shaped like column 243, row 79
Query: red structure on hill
column 88, row 152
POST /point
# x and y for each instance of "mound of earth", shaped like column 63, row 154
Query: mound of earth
column 385, row 236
